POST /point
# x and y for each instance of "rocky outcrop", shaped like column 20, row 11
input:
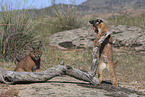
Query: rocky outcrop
column 131, row 37
column 77, row 38
column 69, row 87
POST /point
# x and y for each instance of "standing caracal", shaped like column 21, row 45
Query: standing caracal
column 105, row 53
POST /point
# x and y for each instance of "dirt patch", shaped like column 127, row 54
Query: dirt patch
column 8, row 91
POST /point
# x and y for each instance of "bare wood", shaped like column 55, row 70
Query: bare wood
column 11, row 77
column 95, row 61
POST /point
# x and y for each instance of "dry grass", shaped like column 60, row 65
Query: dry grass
column 131, row 69
column 137, row 20
column 52, row 56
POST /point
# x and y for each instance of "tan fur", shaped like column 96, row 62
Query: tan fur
column 105, row 53
column 30, row 62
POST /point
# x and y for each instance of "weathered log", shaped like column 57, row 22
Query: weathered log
column 95, row 62
column 11, row 77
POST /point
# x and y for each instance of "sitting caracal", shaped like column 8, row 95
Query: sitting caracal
column 31, row 62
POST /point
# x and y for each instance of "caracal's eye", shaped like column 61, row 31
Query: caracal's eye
column 97, row 23
column 34, row 55
column 39, row 55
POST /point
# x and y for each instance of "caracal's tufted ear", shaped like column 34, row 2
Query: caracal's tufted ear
column 31, row 47
column 98, row 21
column 40, row 45
column 92, row 22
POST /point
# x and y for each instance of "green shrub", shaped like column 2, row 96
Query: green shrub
column 16, row 32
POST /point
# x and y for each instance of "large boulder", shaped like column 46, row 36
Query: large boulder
column 76, row 38
column 132, row 37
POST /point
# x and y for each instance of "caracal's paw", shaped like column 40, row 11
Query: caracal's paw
column 115, row 83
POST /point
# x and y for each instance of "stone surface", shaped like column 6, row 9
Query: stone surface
column 128, row 37
column 77, row 38
column 132, row 37
column 65, row 86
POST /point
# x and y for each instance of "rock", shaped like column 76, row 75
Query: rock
column 128, row 36
column 132, row 37
column 141, row 40
column 65, row 86
column 76, row 38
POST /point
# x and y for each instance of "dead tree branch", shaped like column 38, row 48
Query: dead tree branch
column 11, row 77
column 95, row 62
